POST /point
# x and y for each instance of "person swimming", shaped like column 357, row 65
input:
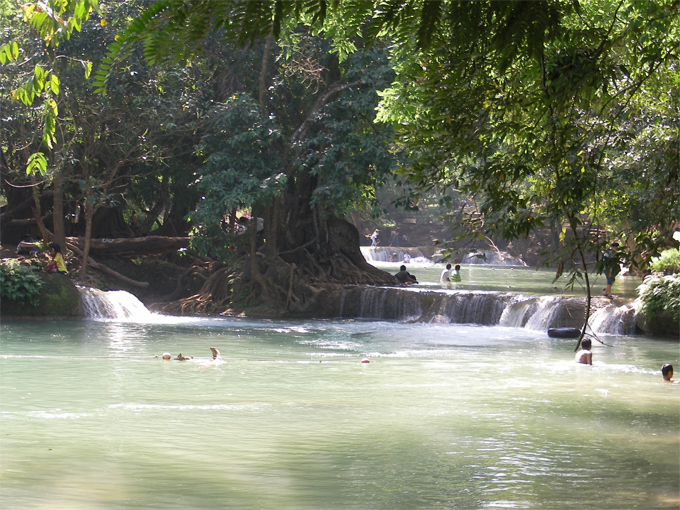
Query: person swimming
column 167, row 356
column 667, row 373
column 584, row 356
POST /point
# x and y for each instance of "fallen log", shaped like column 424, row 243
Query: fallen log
column 132, row 245
column 105, row 269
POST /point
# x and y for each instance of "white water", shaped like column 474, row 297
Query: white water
column 115, row 304
column 387, row 255
column 418, row 304
column 482, row 257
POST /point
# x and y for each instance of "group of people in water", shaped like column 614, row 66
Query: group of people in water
column 585, row 357
column 168, row 357
column 450, row 274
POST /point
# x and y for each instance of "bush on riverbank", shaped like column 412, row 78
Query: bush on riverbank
column 668, row 262
column 26, row 292
column 659, row 304
column 19, row 283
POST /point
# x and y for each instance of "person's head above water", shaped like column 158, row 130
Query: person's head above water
column 667, row 371
column 166, row 355
column 586, row 344
column 402, row 268
column 448, row 266
column 457, row 268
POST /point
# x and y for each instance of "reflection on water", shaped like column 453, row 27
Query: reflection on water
column 443, row 416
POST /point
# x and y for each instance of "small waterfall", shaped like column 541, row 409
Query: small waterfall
column 472, row 308
column 537, row 313
column 493, row 258
column 545, row 312
column 387, row 254
column 385, row 303
column 114, row 304
column 614, row 320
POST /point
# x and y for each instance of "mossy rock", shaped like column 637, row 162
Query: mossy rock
column 662, row 326
column 58, row 297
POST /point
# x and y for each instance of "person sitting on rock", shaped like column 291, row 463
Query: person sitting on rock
column 57, row 265
column 405, row 277
column 27, row 246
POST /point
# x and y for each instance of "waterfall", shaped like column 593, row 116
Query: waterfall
column 385, row 254
column 114, row 304
column 492, row 258
column 472, row 308
column 538, row 313
column 614, row 320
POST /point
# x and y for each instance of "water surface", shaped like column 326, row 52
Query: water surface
column 443, row 416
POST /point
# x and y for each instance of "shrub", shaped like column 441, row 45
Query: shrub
column 668, row 262
column 19, row 282
column 659, row 297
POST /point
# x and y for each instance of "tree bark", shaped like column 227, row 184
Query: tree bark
column 107, row 270
column 132, row 246
column 58, row 208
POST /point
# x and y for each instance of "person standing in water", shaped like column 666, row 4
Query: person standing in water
column 445, row 276
column 611, row 266
column 455, row 276
column 584, row 356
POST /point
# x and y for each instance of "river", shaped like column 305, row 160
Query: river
column 332, row 414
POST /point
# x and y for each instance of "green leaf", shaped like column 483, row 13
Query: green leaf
column 36, row 161
column 54, row 84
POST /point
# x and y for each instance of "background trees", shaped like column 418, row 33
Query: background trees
column 547, row 127
column 558, row 115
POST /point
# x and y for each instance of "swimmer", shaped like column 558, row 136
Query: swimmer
column 584, row 356
column 667, row 373
column 215, row 353
column 167, row 356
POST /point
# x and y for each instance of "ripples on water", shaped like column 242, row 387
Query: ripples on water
column 443, row 416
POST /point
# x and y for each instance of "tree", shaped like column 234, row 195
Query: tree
column 540, row 131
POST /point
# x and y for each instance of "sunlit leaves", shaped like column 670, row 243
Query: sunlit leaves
column 9, row 52
column 36, row 163
column 54, row 22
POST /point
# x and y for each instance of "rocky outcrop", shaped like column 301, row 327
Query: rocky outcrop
column 59, row 298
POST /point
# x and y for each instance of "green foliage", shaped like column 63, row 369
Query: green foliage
column 19, row 282
column 668, row 262
column 659, row 297
column 532, row 112
column 240, row 170
column 54, row 22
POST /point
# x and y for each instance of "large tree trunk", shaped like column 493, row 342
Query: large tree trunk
column 89, row 213
column 132, row 246
column 58, row 209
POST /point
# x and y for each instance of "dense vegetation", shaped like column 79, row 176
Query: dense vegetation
column 19, row 283
column 557, row 115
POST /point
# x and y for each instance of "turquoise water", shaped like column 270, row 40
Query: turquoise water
column 512, row 279
column 443, row 416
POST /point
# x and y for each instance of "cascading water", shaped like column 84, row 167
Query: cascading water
column 614, row 320
column 484, row 308
column 501, row 258
column 420, row 304
column 395, row 254
column 115, row 304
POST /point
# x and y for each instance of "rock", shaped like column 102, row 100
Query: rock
column 59, row 298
